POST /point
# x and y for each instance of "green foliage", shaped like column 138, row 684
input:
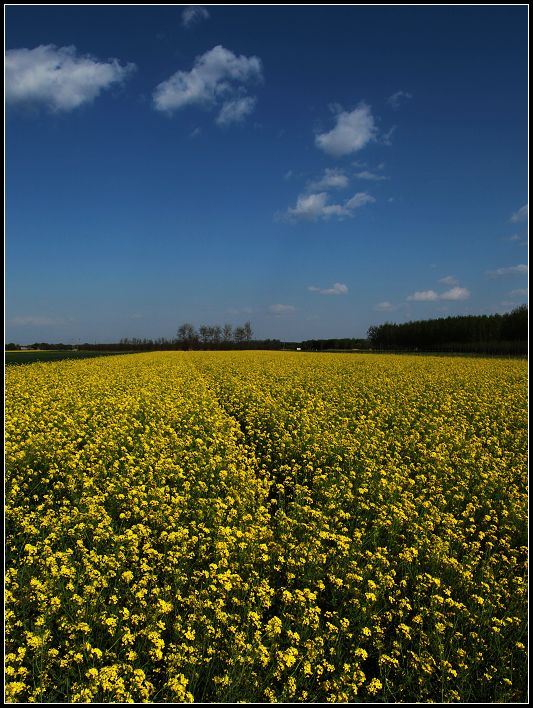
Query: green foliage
column 506, row 334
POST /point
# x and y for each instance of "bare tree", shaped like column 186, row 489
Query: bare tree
column 227, row 333
column 187, row 336
column 248, row 334
column 216, row 335
column 204, row 335
column 239, row 335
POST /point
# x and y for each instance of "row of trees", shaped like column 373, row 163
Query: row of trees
column 321, row 345
column 214, row 336
column 477, row 333
column 188, row 337
column 494, row 334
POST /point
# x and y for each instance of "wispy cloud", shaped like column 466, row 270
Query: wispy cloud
column 332, row 178
column 510, row 304
column 239, row 311
column 398, row 98
column 337, row 289
column 280, row 309
column 218, row 79
column 386, row 306
column 520, row 269
column 519, row 292
column 236, row 111
column 386, row 138
column 520, row 215
column 315, row 207
column 359, row 200
column 57, row 78
column 449, row 280
column 194, row 14
column 353, row 130
column 38, row 320
column 516, row 239
column 372, row 176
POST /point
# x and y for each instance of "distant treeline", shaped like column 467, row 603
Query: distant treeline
column 321, row 345
column 491, row 334
column 188, row 338
column 481, row 334
column 147, row 345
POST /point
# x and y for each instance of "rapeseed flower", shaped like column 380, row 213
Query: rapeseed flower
column 242, row 526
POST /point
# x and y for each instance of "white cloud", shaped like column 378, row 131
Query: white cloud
column 235, row 111
column 385, row 306
column 280, row 309
column 398, row 98
column 520, row 292
column 366, row 174
column 337, row 289
column 449, row 280
column 194, row 14
column 351, row 133
column 520, row 269
column 455, row 293
column 58, row 78
column 423, row 296
column 314, row 207
column 218, row 78
column 332, row 178
column 520, row 215
column 360, row 199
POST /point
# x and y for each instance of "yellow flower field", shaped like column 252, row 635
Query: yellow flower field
column 266, row 526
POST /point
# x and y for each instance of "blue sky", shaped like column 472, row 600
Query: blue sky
column 314, row 170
